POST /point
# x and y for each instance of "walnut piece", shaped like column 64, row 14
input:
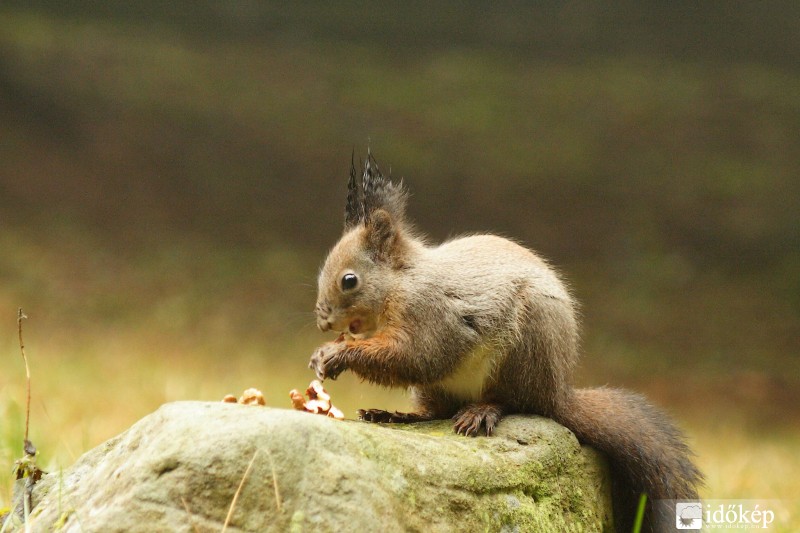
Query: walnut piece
column 249, row 397
column 335, row 413
column 297, row 399
column 319, row 401
column 252, row 397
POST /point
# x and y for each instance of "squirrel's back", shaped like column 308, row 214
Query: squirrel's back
column 490, row 278
column 481, row 264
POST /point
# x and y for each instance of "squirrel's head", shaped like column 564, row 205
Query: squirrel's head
column 362, row 268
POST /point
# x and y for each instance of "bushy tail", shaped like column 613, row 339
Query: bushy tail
column 648, row 454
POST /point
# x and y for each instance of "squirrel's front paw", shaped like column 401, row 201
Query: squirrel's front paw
column 328, row 361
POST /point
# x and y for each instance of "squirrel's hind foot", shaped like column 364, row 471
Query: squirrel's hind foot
column 471, row 419
column 378, row 415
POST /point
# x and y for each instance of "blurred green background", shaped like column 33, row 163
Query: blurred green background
column 173, row 173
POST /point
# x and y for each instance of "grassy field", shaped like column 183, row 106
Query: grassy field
column 86, row 392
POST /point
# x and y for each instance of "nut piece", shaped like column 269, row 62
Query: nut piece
column 252, row 397
column 335, row 413
column 319, row 401
column 297, row 399
column 316, row 392
column 249, row 397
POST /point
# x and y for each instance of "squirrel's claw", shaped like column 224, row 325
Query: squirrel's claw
column 327, row 361
column 314, row 365
column 374, row 415
column 379, row 415
column 471, row 419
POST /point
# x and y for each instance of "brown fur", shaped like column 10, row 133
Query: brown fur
column 480, row 327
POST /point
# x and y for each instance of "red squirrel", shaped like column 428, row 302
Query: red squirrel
column 479, row 327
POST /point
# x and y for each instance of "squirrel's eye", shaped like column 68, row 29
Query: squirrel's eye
column 349, row 281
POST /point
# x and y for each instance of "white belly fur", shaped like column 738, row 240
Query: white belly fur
column 468, row 379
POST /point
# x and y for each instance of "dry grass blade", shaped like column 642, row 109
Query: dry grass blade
column 20, row 317
column 8, row 520
column 26, row 505
column 238, row 491
column 274, row 482
column 191, row 517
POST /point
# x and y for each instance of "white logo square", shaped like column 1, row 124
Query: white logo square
column 688, row 515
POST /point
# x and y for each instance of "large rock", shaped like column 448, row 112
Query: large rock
column 179, row 468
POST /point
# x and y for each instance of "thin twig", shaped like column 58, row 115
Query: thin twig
column 274, row 481
column 20, row 317
column 238, row 490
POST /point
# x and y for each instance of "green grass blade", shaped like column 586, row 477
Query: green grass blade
column 637, row 524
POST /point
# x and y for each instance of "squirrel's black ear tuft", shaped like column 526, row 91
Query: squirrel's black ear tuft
column 372, row 192
column 354, row 211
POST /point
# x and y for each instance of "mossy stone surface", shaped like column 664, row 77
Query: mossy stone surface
column 179, row 468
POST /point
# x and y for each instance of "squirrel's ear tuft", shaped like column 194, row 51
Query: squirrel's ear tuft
column 382, row 236
column 354, row 211
column 372, row 192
